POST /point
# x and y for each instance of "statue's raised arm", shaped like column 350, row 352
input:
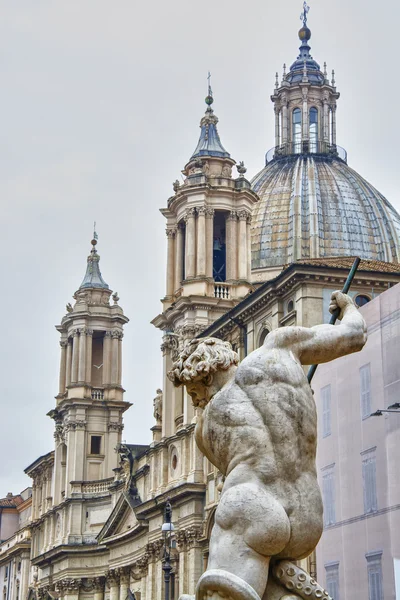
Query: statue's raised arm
column 323, row 343
column 259, row 428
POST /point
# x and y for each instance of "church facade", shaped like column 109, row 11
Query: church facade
column 243, row 258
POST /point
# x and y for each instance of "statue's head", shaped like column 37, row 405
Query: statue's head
column 204, row 366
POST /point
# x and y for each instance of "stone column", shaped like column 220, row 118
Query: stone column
column 243, row 245
column 98, row 583
column 179, row 258
column 82, row 355
column 80, row 427
column 334, row 125
column 231, row 246
column 190, row 259
column 69, row 363
column 63, row 367
column 171, row 233
column 209, row 241
column 113, row 582
column 75, row 356
column 248, row 233
column 178, row 407
column 124, row 584
column 305, row 127
column 201, row 241
column 285, row 136
column 119, row 374
column 326, row 122
column 89, row 350
column 277, row 132
column 107, row 358
column 114, row 357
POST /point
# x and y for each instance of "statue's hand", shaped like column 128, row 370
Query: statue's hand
column 340, row 301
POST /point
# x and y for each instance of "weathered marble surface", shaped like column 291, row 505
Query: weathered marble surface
column 259, row 428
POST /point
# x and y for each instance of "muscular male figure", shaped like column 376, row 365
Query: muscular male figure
column 259, row 428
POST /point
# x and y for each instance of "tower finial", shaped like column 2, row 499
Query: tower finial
column 303, row 16
column 209, row 99
column 95, row 236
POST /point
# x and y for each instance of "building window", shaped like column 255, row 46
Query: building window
column 332, row 580
column 290, row 306
column 369, row 483
column 313, row 130
column 328, row 493
column 296, row 131
column 374, row 568
column 326, row 411
column 95, row 444
column 263, row 337
column 219, row 247
column 361, row 300
column 365, row 393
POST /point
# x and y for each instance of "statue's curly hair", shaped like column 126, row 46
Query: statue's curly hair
column 200, row 358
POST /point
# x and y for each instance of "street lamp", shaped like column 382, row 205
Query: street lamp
column 393, row 408
column 167, row 529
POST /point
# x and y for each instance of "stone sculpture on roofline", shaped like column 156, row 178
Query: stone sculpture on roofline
column 259, row 428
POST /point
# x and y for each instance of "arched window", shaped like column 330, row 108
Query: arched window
column 263, row 337
column 361, row 300
column 313, row 130
column 296, row 131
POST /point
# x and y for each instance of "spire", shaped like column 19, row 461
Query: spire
column 305, row 61
column 93, row 278
column 209, row 143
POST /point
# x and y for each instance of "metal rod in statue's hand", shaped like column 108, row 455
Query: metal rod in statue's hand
column 336, row 313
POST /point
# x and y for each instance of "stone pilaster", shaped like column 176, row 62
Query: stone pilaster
column 98, row 588
column 75, row 356
column 82, row 355
column 114, row 356
column 248, row 234
column 113, row 583
column 190, row 258
column 285, row 129
column 63, row 367
column 178, row 258
column 89, row 350
column 334, row 125
column 201, row 241
column 107, row 358
column 171, row 235
column 242, row 245
column 209, row 241
column 277, row 132
column 231, row 246
column 68, row 363
column 124, row 583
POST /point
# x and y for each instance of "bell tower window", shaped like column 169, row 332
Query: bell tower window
column 313, row 129
column 219, row 247
column 296, row 131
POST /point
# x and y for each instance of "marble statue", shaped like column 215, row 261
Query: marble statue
column 157, row 406
column 259, row 428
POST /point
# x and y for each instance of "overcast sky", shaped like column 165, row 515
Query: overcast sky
column 100, row 104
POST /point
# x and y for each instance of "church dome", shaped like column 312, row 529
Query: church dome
column 316, row 206
column 312, row 204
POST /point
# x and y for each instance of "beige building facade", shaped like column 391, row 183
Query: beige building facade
column 243, row 258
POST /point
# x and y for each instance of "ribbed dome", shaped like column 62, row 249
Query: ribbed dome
column 317, row 206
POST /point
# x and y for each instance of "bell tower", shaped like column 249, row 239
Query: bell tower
column 208, row 258
column 89, row 404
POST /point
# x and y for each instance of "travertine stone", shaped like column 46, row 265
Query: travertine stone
column 259, row 428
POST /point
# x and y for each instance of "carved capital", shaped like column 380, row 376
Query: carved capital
column 210, row 212
column 99, row 583
column 233, row 216
column 115, row 426
column 202, row 211
column 75, row 424
column 171, row 233
column 75, row 332
column 68, row 585
column 117, row 334
column 108, row 334
column 139, row 568
column 244, row 215
column 190, row 213
column 64, row 344
column 89, row 331
column 113, row 577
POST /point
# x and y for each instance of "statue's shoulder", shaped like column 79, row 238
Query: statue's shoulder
column 252, row 369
